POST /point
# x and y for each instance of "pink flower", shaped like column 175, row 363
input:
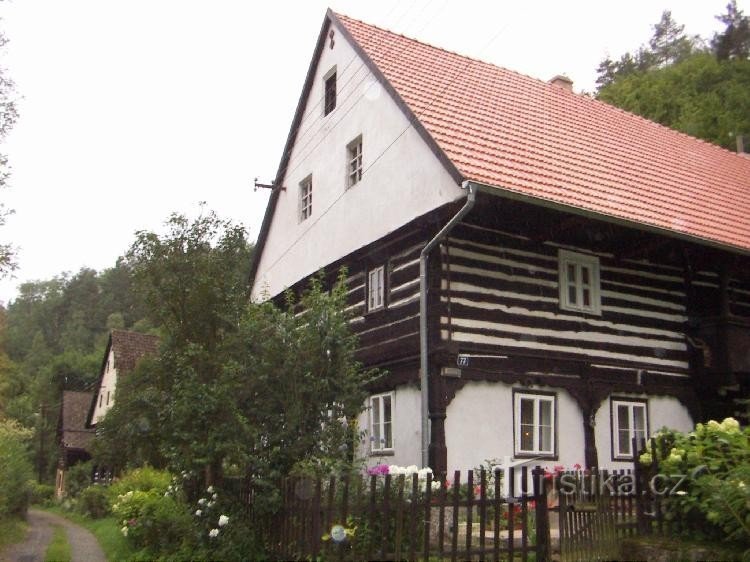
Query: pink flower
column 577, row 466
column 378, row 470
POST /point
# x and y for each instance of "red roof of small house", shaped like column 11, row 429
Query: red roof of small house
column 73, row 413
column 539, row 141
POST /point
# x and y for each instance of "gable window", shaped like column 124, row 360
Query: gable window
column 305, row 198
column 629, row 420
column 579, row 282
column 354, row 161
column 381, row 422
column 329, row 102
column 376, row 288
column 534, row 423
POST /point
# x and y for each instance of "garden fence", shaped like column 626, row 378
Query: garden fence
column 386, row 517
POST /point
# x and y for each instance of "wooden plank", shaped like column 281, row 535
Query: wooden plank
column 454, row 530
column 385, row 517
column 469, row 509
column 413, row 513
column 497, row 505
column 399, row 523
column 427, row 517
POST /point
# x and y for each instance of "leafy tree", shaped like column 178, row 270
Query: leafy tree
column 734, row 41
column 700, row 96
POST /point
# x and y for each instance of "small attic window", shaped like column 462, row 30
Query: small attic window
column 330, row 91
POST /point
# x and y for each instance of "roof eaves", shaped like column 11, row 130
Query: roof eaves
column 506, row 193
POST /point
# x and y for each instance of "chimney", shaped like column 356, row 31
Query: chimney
column 562, row 81
column 743, row 145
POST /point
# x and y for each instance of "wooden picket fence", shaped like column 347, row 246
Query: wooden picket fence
column 402, row 518
column 596, row 509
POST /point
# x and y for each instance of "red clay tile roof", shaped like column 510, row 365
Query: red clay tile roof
column 73, row 414
column 130, row 347
column 526, row 136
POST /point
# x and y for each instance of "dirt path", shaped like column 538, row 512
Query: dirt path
column 83, row 545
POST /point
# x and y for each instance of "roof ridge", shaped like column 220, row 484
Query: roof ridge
column 444, row 50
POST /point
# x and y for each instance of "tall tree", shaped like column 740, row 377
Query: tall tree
column 734, row 41
column 669, row 44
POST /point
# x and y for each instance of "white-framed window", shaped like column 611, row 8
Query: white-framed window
column 354, row 162
column 381, row 422
column 534, row 423
column 376, row 288
column 579, row 282
column 305, row 198
column 329, row 88
column 629, row 420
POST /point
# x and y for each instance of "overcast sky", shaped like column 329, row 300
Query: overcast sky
column 131, row 110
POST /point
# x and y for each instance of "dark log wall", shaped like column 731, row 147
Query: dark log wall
column 391, row 333
column 500, row 292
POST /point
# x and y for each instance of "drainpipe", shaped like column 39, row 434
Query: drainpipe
column 423, row 362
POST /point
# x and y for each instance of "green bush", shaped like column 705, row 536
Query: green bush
column 94, row 501
column 140, row 479
column 40, row 494
column 714, row 502
column 153, row 521
column 78, row 477
column 15, row 468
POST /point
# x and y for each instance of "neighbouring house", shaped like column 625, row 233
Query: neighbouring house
column 541, row 274
column 73, row 437
column 124, row 351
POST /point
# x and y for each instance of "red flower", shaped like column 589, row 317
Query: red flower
column 577, row 466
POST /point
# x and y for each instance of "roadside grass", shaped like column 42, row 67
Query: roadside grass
column 106, row 531
column 59, row 549
column 12, row 531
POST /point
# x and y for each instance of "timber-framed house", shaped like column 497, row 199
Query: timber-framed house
column 542, row 275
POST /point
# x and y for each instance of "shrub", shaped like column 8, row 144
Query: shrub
column 156, row 522
column 142, row 479
column 15, row 468
column 94, row 501
column 715, row 500
column 40, row 494
column 77, row 478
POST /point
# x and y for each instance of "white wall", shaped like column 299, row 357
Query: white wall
column 407, row 181
column 662, row 411
column 407, row 430
column 479, row 426
column 109, row 382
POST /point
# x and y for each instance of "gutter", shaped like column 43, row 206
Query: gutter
column 423, row 352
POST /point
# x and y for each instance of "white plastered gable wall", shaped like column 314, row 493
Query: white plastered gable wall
column 407, row 180
column 109, row 382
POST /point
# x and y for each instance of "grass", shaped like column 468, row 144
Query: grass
column 59, row 549
column 12, row 531
column 106, row 531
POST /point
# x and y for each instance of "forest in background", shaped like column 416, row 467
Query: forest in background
column 53, row 339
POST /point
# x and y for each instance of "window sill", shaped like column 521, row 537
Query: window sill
column 545, row 456
column 383, row 453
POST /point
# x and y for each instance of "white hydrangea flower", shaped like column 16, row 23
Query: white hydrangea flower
column 213, row 533
column 223, row 520
column 124, row 531
column 411, row 469
column 215, row 496
column 198, row 512
column 202, row 501
column 423, row 473
column 210, row 489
